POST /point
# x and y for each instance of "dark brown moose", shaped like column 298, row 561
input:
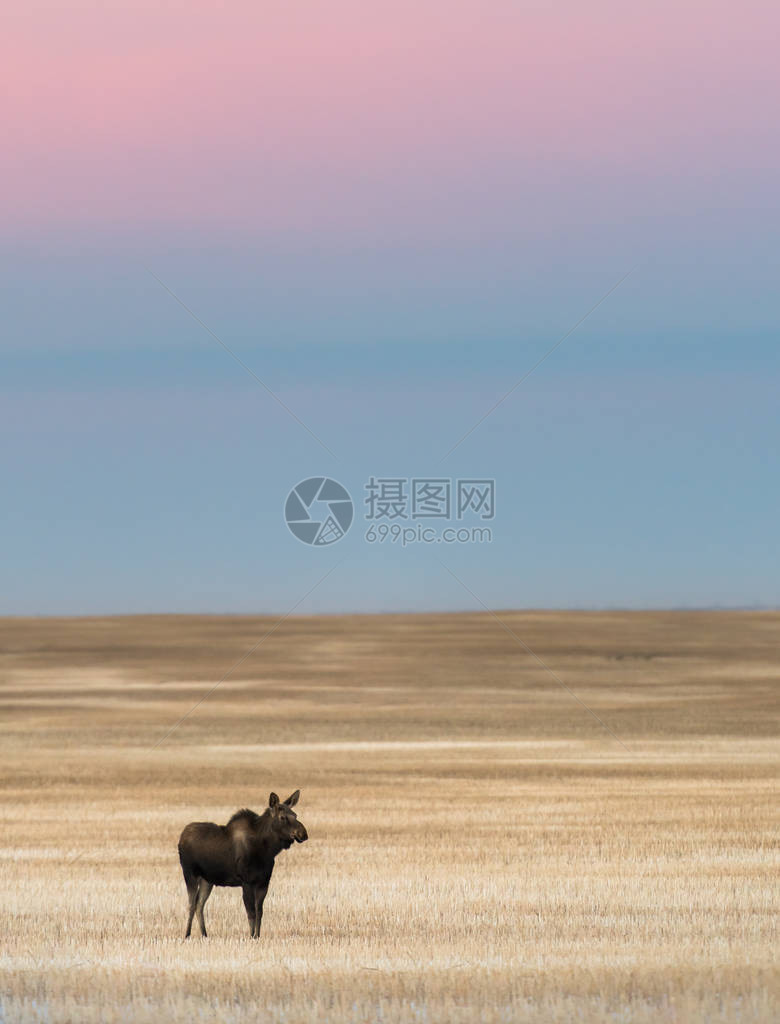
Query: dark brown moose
column 239, row 853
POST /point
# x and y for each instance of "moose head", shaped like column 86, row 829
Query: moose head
column 284, row 821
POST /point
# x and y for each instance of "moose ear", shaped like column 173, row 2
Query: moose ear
column 291, row 801
column 273, row 801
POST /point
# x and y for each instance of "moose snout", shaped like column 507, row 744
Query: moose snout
column 301, row 835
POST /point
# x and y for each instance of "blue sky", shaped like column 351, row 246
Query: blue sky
column 390, row 220
column 146, row 471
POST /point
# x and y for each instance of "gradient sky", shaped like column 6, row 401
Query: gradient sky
column 389, row 212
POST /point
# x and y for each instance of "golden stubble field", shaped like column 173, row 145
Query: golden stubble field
column 481, row 849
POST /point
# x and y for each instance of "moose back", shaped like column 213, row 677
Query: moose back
column 239, row 853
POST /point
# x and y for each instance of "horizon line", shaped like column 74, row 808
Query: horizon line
column 533, row 609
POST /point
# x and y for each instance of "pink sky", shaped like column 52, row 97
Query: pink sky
column 305, row 115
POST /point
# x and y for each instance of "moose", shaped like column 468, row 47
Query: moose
column 239, row 853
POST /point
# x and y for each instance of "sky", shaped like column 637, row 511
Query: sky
column 248, row 245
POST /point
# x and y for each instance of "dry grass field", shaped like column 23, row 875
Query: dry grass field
column 482, row 849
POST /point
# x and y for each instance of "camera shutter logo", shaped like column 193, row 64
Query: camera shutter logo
column 319, row 511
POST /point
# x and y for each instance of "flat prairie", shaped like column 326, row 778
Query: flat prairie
column 586, row 832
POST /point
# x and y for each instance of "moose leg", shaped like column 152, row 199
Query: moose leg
column 260, row 892
column 192, row 894
column 249, row 906
column 204, row 891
